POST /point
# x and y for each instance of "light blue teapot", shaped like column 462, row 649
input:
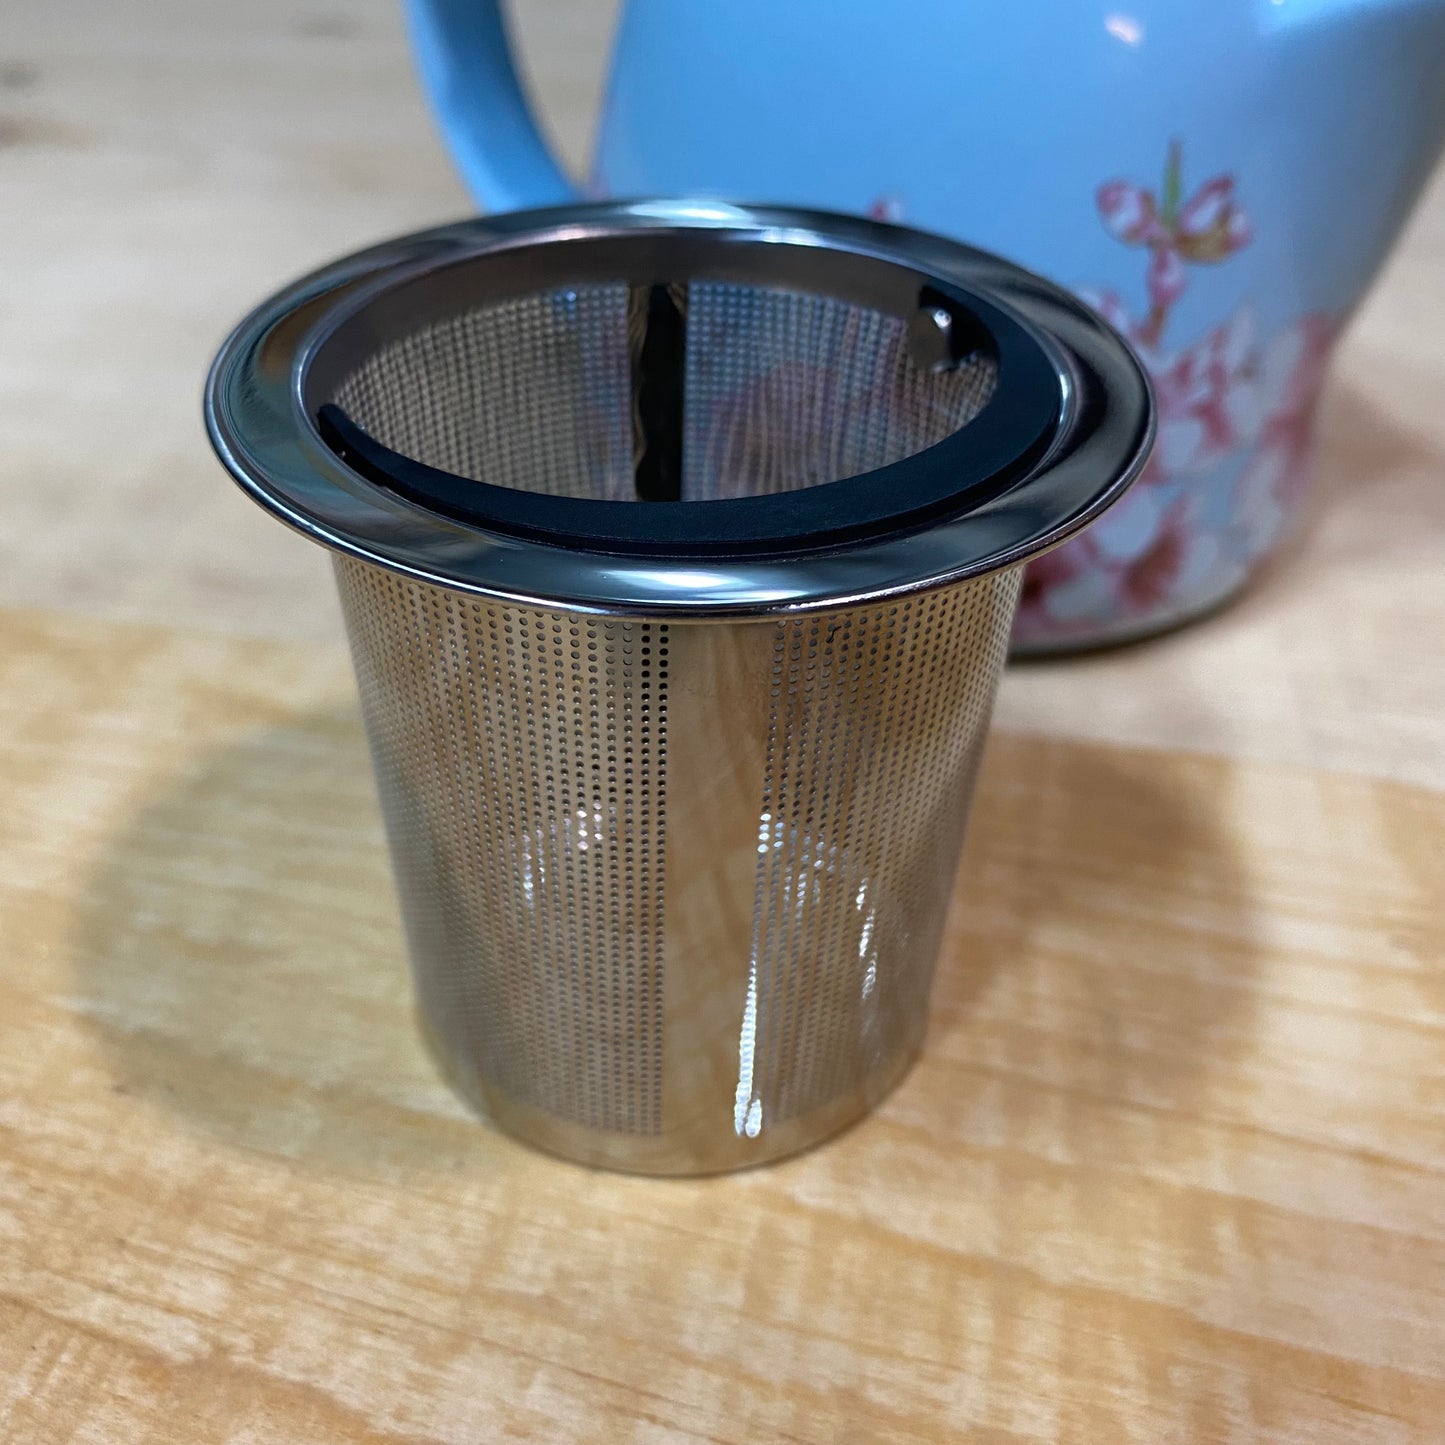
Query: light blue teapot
column 1222, row 180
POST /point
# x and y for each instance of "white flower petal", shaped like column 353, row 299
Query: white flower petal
column 1243, row 407
column 1201, row 556
column 1259, row 516
column 1237, row 339
column 1090, row 594
column 1126, row 530
column 1180, row 444
column 1282, row 358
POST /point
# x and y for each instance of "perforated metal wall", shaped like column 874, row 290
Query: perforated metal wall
column 521, row 763
column 533, row 392
column 555, row 837
column 783, row 390
column 876, row 727
column 788, row 390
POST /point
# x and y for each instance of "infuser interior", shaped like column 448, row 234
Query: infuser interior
column 699, row 386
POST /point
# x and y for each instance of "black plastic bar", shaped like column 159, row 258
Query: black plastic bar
column 657, row 342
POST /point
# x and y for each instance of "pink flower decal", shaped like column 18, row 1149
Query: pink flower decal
column 1137, row 559
column 1205, row 228
column 1293, row 370
column 1226, row 395
column 1291, row 374
column 1128, row 214
column 1165, row 279
column 1211, row 227
column 1178, row 558
column 886, row 208
column 1207, row 394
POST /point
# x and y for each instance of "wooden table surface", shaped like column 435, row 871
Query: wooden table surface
column 1172, row 1167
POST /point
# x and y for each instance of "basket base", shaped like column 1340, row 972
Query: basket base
column 715, row 1148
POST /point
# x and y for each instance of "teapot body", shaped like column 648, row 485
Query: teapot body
column 1221, row 181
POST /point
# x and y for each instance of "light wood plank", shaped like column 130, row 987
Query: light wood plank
column 173, row 163
column 1171, row 1167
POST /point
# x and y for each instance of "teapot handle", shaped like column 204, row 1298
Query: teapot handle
column 465, row 58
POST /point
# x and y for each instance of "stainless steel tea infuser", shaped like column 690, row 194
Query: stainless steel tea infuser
column 678, row 545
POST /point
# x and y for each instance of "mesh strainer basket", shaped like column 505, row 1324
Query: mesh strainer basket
column 678, row 546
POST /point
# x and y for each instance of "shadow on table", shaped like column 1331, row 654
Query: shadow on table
column 1360, row 440
column 242, row 960
column 239, row 953
column 1376, row 492
column 1106, row 914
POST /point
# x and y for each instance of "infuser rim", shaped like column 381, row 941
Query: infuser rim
column 1023, row 474
column 980, row 457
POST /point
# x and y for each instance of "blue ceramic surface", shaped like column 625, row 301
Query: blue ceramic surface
column 1221, row 180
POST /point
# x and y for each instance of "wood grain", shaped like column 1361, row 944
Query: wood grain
column 1170, row 1168
column 228, row 147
